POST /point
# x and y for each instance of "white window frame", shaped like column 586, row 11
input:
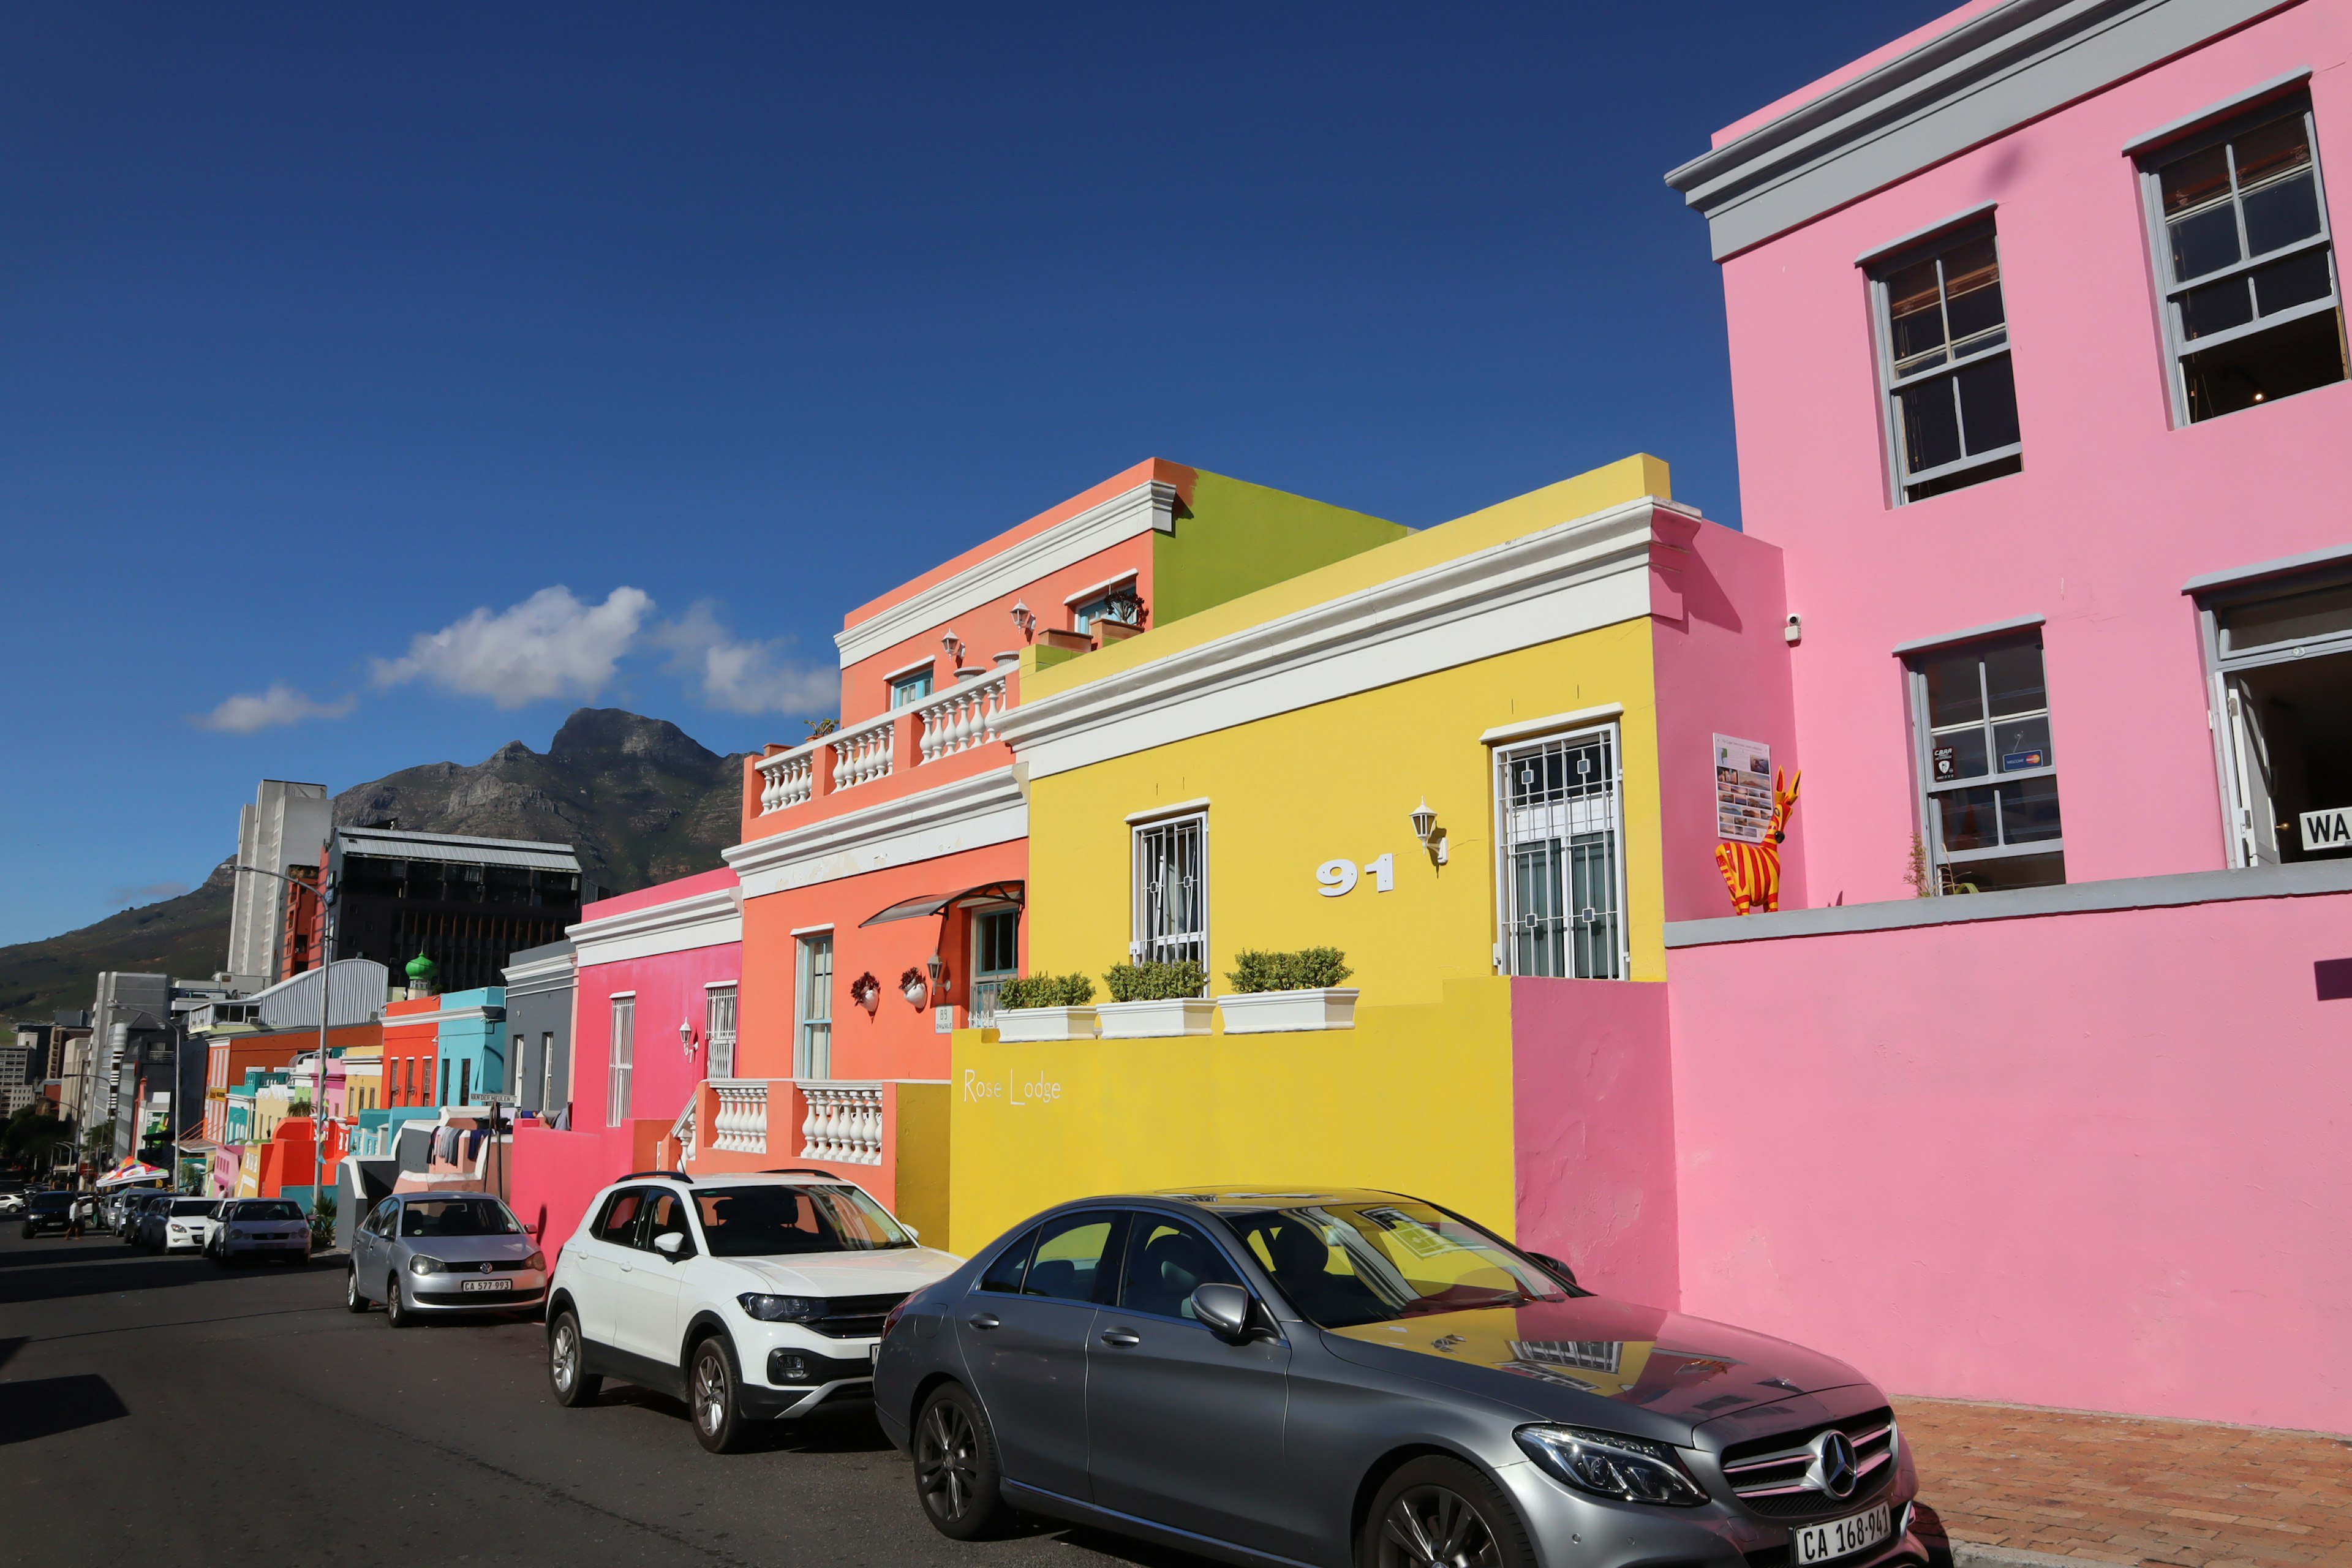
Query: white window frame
column 1088, row 606
column 812, row 1031
column 547, row 1104
column 1144, row 945
column 1506, row 917
column 2170, row 291
column 980, row 1013
column 1923, row 742
column 903, row 693
column 2220, row 664
column 719, row 1005
column 1880, row 268
column 620, row 1058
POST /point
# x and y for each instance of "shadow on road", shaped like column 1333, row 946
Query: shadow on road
column 103, row 1274
column 46, row 1407
column 849, row 1429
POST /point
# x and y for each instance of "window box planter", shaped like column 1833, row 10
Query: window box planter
column 1155, row 1020
column 1035, row 1025
column 1281, row 1011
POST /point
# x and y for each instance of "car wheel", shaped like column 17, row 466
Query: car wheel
column 354, row 1298
column 957, row 1473
column 719, row 1424
column 567, row 1362
column 1442, row 1510
column 395, row 1312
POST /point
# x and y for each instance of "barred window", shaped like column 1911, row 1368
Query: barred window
column 719, row 1028
column 1561, row 874
column 1171, row 891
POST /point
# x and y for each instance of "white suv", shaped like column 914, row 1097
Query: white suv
column 752, row 1296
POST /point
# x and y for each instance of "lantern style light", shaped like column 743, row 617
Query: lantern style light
column 685, row 1035
column 1424, row 827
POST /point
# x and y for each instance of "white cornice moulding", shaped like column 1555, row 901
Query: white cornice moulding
column 1575, row 576
column 1552, row 724
column 1173, row 808
column 967, row 813
column 1149, row 507
column 457, row 1015
column 704, row 920
column 537, row 971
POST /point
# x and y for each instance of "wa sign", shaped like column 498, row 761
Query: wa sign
column 2327, row 829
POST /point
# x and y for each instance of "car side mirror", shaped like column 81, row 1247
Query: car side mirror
column 669, row 1244
column 1566, row 1274
column 1226, row 1309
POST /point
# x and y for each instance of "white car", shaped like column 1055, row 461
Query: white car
column 187, row 1223
column 12, row 1206
column 754, row 1297
column 261, row 1228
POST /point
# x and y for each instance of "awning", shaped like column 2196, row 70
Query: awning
column 131, row 1171
column 915, row 909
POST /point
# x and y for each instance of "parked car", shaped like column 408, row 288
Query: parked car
column 261, row 1228
column 177, row 1223
column 116, row 1209
column 47, row 1211
column 136, row 1225
column 431, row 1253
column 1357, row 1378
column 12, row 1206
column 754, row 1297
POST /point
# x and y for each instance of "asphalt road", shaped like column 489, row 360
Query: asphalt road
column 173, row 1412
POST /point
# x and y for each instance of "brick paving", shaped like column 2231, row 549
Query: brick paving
column 2119, row 1489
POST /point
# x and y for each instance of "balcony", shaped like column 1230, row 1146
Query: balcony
column 888, row 1136
column 943, row 725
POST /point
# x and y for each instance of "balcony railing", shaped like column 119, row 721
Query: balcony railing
column 843, row 1124
column 740, row 1125
column 965, row 715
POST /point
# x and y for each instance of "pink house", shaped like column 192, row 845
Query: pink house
column 2038, row 369
column 658, row 974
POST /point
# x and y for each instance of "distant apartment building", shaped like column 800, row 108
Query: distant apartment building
column 281, row 832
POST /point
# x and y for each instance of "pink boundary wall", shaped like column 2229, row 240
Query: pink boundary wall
column 2127, row 1188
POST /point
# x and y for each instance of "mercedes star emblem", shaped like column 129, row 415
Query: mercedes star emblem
column 1833, row 1467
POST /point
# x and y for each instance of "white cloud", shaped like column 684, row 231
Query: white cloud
column 744, row 676
column 550, row 645
column 281, row 704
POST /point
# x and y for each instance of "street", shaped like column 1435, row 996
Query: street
column 165, row 1409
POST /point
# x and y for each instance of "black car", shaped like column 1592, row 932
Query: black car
column 47, row 1211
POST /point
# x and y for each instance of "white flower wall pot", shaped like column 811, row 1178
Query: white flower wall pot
column 1283, row 1011
column 1035, row 1025
column 1156, row 1020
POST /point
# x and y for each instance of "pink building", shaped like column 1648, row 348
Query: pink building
column 2039, row 370
column 658, row 972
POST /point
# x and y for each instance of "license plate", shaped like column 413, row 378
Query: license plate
column 508, row 1285
column 1820, row 1542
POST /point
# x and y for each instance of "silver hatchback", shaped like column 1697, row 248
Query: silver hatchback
column 427, row 1254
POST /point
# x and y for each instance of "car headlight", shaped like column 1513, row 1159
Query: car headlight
column 783, row 1309
column 537, row 1260
column 426, row 1266
column 1631, row 1469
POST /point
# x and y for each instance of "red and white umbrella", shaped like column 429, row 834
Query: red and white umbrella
column 131, row 1171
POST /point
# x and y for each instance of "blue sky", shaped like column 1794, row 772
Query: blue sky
column 334, row 334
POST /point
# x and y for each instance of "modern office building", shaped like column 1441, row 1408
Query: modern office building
column 282, row 832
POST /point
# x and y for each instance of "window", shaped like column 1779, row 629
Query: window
column 911, row 687
column 1992, row 778
column 1562, row 880
column 1118, row 603
column 1005, row 1274
column 995, row 958
column 1951, row 399
column 813, row 1053
column 2281, row 657
column 765, row 1222
column 547, row 1066
column 719, row 1028
column 445, row 1083
column 619, row 1220
column 1167, row 1260
column 666, row 1215
column 522, row 1064
column 1171, row 891
column 623, row 1058
column 2250, row 300
column 1068, row 1265
column 464, row 1083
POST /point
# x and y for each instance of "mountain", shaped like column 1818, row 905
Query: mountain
column 637, row 798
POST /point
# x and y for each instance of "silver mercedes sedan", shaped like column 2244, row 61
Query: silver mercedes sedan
column 1362, row 1380
column 427, row 1254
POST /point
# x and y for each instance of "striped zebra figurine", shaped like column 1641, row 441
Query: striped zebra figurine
column 1752, row 871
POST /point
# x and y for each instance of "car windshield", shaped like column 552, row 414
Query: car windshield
column 762, row 1221
column 458, row 1216
column 276, row 1208
column 185, row 1206
column 1344, row 1264
column 52, row 1200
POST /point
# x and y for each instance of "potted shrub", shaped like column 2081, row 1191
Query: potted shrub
column 1148, row 1001
column 1039, row 1007
column 1274, row 993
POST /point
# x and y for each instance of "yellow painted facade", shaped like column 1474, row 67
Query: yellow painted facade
column 1419, row 1096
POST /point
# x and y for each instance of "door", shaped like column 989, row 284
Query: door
column 602, row 1245
column 646, row 1307
column 1183, row 1427
column 1026, row 1344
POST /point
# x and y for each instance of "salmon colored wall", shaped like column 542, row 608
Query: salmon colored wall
column 896, row 1042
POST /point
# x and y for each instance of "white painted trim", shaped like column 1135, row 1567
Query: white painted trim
column 2173, row 129
column 721, row 985
column 702, row 920
column 1575, row 576
column 1099, row 589
column 965, row 814
column 809, row 930
column 456, row 1015
column 1972, row 633
column 1178, row 808
column 538, row 969
column 620, row 995
column 1149, row 507
column 1529, row 728
column 904, row 670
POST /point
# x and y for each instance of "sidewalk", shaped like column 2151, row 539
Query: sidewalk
column 2027, row 1483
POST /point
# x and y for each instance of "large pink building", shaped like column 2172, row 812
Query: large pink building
column 2038, row 369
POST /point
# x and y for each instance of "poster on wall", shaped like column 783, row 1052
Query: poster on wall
column 1743, row 790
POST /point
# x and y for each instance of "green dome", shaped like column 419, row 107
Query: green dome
column 422, row 968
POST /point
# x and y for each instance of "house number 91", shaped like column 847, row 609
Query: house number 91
column 1338, row 878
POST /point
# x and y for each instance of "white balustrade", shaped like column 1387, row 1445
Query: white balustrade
column 845, row 1123
column 741, row 1123
column 862, row 752
column 963, row 716
column 682, row 1131
column 790, row 778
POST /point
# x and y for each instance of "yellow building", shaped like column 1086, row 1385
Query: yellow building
column 1446, row 756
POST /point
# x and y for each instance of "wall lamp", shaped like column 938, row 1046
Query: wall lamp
column 1425, row 828
column 1024, row 617
column 685, row 1035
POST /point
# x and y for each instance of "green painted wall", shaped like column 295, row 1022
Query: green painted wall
column 1242, row 537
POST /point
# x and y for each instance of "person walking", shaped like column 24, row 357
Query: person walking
column 75, row 1217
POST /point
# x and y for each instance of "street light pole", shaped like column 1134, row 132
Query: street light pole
column 326, row 985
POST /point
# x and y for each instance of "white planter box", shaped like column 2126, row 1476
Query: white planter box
column 1279, row 1012
column 1033, row 1026
column 1156, row 1020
